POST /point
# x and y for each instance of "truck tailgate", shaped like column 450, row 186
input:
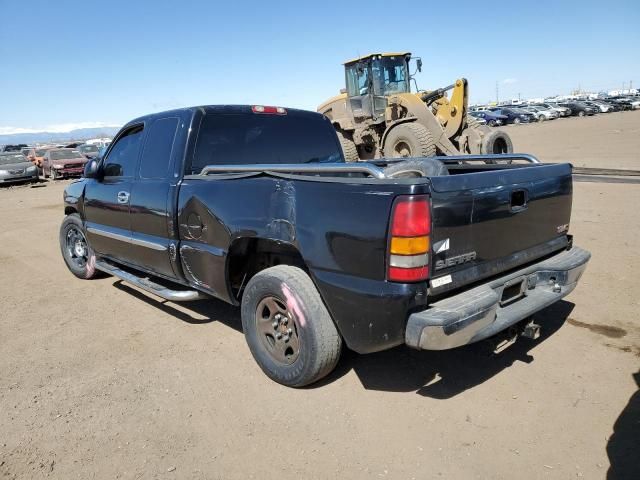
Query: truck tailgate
column 486, row 223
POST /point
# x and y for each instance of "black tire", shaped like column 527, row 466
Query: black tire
column 426, row 167
column 581, row 113
column 497, row 141
column 317, row 339
column 72, row 226
column 349, row 148
column 516, row 121
column 409, row 140
column 52, row 174
column 491, row 123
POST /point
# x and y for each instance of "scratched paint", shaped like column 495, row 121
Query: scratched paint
column 282, row 211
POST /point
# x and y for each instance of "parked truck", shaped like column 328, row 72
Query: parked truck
column 255, row 206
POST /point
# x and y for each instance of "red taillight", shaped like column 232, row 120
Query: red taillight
column 411, row 217
column 410, row 226
column 408, row 275
column 272, row 110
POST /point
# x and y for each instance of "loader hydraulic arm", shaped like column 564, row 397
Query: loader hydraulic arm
column 451, row 112
column 428, row 97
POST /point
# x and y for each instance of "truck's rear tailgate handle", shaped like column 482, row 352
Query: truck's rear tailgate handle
column 519, row 200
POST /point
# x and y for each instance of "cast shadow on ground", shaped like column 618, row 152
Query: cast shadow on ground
column 445, row 374
column 439, row 375
column 196, row 312
column 623, row 447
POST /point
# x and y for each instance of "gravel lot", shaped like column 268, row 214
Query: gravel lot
column 99, row 380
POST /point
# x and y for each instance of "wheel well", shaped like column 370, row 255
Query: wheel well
column 69, row 210
column 248, row 256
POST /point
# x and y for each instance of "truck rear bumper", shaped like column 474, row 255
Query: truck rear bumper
column 485, row 310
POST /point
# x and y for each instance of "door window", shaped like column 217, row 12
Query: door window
column 156, row 156
column 357, row 79
column 123, row 156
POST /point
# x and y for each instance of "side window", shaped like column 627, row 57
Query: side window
column 122, row 158
column 156, row 155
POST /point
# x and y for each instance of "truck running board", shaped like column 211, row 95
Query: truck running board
column 150, row 286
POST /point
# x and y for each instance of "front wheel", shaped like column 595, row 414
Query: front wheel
column 76, row 252
column 288, row 328
column 581, row 113
column 516, row 121
column 409, row 140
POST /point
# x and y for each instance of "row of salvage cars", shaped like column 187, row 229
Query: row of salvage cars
column 30, row 163
column 499, row 115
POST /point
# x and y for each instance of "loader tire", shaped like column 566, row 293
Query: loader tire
column 349, row 148
column 497, row 141
column 424, row 167
column 409, row 140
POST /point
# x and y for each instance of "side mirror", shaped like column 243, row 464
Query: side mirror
column 419, row 64
column 91, row 169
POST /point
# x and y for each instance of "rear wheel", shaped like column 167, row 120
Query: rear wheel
column 581, row 113
column 348, row 147
column 75, row 249
column 517, row 120
column 288, row 328
column 409, row 140
column 491, row 123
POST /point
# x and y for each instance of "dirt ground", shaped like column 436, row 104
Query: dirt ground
column 99, row 380
column 601, row 141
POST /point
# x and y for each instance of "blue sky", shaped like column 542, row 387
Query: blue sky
column 70, row 63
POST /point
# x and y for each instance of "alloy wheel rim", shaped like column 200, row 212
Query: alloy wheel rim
column 277, row 328
column 76, row 247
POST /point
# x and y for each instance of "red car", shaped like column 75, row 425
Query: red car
column 63, row 162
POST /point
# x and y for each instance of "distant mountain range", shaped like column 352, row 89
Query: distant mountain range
column 58, row 137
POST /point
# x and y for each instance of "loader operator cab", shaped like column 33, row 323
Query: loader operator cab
column 371, row 79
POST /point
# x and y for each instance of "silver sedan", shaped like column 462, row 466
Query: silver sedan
column 15, row 167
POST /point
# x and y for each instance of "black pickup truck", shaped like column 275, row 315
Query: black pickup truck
column 255, row 206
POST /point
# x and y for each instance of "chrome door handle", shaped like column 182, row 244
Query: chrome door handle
column 123, row 197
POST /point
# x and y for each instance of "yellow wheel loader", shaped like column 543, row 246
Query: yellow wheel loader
column 377, row 114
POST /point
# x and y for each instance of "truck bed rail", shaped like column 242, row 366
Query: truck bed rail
column 368, row 169
column 467, row 158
